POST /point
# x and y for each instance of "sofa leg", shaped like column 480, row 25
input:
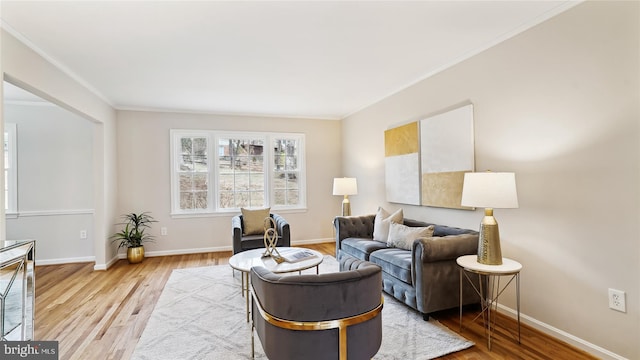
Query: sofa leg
column 425, row 316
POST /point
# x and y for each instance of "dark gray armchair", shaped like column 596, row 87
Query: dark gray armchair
column 327, row 316
column 242, row 242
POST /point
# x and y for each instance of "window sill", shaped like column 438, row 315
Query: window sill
column 230, row 213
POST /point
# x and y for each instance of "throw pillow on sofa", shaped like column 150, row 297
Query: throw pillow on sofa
column 382, row 222
column 253, row 220
column 402, row 236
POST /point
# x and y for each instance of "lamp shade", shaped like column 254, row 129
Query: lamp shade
column 496, row 190
column 345, row 186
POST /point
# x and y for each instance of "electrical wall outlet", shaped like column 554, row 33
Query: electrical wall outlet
column 617, row 300
column 83, row 234
column 163, row 231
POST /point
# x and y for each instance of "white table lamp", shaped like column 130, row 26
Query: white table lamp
column 490, row 190
column 346, row 187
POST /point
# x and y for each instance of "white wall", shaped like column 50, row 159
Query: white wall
column 559, row 106
column 55, row 187
column 24, row 67
column 144, row 177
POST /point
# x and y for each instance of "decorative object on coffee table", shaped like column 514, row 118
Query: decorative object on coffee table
column 271, row 240
column 490, row 190
column 345, row 186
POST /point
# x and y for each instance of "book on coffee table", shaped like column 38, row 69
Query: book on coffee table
column 295, row 255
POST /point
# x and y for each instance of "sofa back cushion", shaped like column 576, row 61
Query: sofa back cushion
column 402, row 236
column 439, row 230
column 383, row 221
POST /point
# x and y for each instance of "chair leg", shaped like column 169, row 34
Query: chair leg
column 342, row 335
column 252, row 342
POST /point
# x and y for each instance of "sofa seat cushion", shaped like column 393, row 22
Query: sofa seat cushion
column 252, row 242
column 394, row 262
column 361, row 248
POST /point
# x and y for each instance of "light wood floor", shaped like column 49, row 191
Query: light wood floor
column 101, row 314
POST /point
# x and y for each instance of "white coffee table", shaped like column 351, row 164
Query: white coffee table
column 245, row 260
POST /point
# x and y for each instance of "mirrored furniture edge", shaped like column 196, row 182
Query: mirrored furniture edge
column 17, row 290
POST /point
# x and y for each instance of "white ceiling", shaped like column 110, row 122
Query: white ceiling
column 316, row 59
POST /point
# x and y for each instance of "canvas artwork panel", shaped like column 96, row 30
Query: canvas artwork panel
column 446, row 153
column 402, row 164
column 425, row 161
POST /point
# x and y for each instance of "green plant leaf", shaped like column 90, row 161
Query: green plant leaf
column 133, row 234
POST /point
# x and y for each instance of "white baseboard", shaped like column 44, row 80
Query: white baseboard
column 561, row 335
column 65, row 260
column 102, row 267
column 123, row 255
column 181, row 251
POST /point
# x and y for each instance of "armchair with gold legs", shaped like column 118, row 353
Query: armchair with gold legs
column 327, row 316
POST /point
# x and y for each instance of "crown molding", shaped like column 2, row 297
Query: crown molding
column 57, row 64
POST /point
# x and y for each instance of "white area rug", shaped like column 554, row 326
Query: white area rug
column 201, row 315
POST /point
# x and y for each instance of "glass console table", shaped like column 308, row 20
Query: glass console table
column 17, row 290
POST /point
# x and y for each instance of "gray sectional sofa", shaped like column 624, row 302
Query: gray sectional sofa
column 426, row 277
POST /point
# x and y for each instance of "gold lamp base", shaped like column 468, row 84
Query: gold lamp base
column 346, row 206
column 489, row 252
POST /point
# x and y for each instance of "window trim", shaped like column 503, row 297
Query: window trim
column 213, row 137
column 12, row 171
column 265, row 164
column 175, row 181
column 302, row 185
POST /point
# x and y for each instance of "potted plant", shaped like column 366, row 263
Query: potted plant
column 133, row 235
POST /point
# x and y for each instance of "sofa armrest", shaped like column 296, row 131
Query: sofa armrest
column 435, row 273
column 439, row 248
column 353, row 226
column 236, row 232
column 283, row 228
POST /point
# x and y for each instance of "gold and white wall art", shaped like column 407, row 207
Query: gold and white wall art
column 402, row 164
column 446, row 153
column 425, row 161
